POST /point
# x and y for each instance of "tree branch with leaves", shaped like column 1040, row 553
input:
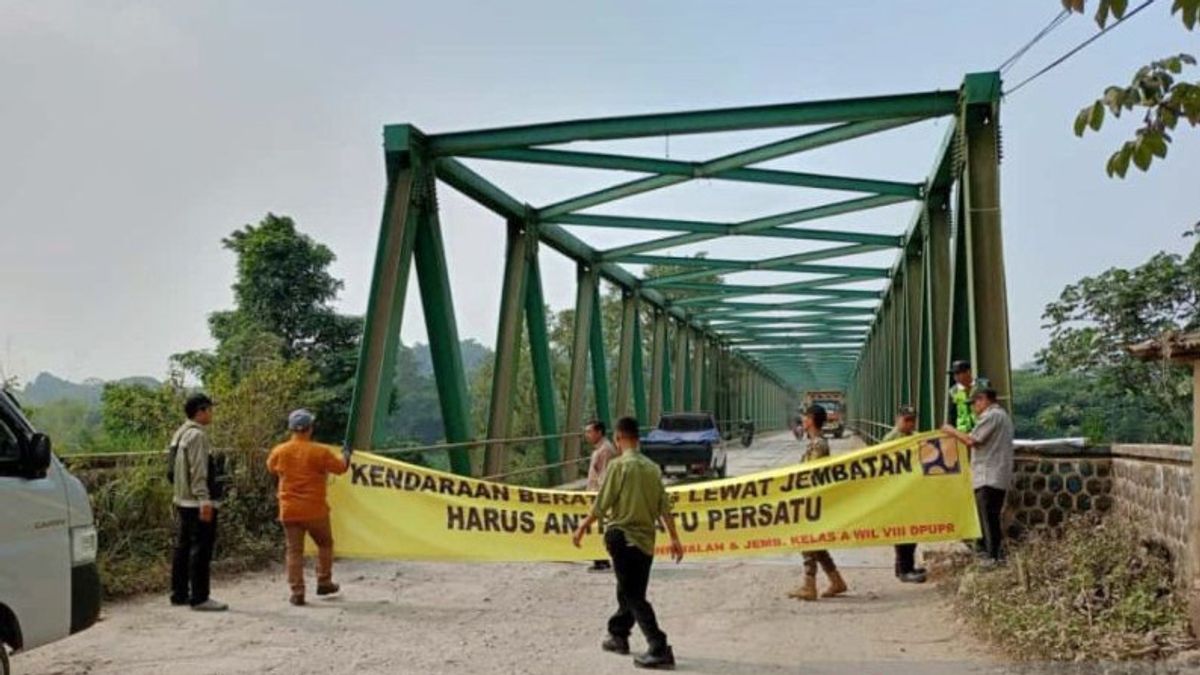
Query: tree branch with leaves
column 1163, row 98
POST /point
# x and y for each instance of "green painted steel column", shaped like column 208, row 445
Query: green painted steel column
column 508, row 337
column 588, row 278
column 937, row 302
column 687, row 370
column 639, row 372
column 914, row 312
column 375, row 374
column 658, row 353
column 539, row 353
column 599, row 361
column 429, row 253
column 961, row 329
column 629, row 317
column 697, row 391
column 989, row 297
column 668, row 397
column 680, row 361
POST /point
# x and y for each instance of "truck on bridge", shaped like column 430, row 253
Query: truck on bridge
column 834, row 403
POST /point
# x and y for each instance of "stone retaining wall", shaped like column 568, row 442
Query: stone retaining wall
column 1151, row 484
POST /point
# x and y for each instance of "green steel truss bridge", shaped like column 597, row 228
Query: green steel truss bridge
column 732, row 348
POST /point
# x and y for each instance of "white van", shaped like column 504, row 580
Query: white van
column 49, row 585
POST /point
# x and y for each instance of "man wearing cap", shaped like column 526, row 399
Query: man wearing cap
column 959, row 413
column 303, row 467
column 817, row 448
column 991, row 443
column 906, row 554
column 195, row 508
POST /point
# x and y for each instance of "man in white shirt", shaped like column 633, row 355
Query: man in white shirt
column 991, row 443
column 603, row 452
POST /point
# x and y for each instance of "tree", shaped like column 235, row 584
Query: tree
column 282, row 295
column 1154, row 89
column 137, row 416
column 1093, row 321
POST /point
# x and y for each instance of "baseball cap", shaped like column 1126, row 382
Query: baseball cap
column 906, row 411
column 984, row 392
column 300, row 419
column 960, row 367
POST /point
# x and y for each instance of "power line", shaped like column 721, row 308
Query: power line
column 1055, row 63
column 1054, row 23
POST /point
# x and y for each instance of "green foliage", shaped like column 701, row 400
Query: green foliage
column 133, row 511
column 283, row 293
column 1095, row 319
column 71, row 424
column 1155, row 89
column 1092, row 591
column 138, row 411
column 251, row 407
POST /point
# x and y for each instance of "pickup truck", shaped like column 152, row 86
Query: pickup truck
column 686, row 444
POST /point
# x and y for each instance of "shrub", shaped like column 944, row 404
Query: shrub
column 134, row 520
column 1092, row 590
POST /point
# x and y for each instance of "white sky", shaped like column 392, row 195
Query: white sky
column 134, row 135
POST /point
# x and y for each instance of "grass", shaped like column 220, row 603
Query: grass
column 134, row 520
column 1093, row 590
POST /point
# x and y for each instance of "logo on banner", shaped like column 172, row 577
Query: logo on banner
column 939, row 460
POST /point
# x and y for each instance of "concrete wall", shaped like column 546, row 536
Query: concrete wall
column 1151, row 484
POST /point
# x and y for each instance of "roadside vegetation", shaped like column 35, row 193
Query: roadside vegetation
column 1093, row 590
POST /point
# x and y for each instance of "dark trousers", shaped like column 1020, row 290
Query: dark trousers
column 906, row 558
column 813, row 559
column 632, row 567
column 193, row 556
column 990, row 502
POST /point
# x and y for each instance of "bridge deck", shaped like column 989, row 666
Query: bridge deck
column 723, row 617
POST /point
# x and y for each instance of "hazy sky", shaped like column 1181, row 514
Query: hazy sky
column 134, row 135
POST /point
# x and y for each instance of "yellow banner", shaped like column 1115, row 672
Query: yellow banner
column 916, row 489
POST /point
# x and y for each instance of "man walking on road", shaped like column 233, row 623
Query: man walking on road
column 991, row 444
column 818, row 447
column 906, row 554
column 603, row 452
column 632, row 501
column 302, row 467
column 195, row 508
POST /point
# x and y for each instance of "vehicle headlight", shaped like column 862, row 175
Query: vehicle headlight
column 83, row 545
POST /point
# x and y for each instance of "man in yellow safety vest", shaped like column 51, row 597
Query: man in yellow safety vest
column 959, row 413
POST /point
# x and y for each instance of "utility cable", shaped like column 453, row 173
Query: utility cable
column 1054, row 23
column 1056, row 62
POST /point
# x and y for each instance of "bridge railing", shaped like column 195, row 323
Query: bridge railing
column 870, row 430
column 526, row 466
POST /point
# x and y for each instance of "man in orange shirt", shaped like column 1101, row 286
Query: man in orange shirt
column 302, row 467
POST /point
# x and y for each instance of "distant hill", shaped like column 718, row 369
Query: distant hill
column 473, row 355
column 47, row 388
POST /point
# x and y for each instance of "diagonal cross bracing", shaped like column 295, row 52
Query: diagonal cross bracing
column 738, row 345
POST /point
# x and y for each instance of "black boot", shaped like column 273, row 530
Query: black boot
column 663, row 659
column 615, row 644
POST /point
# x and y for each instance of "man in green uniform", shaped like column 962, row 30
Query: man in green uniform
column 906, row 554
column 959, row 413
column 632, row 501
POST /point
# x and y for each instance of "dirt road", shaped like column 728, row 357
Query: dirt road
column 724, row 617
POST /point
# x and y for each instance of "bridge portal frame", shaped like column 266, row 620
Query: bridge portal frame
column 711, row 345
